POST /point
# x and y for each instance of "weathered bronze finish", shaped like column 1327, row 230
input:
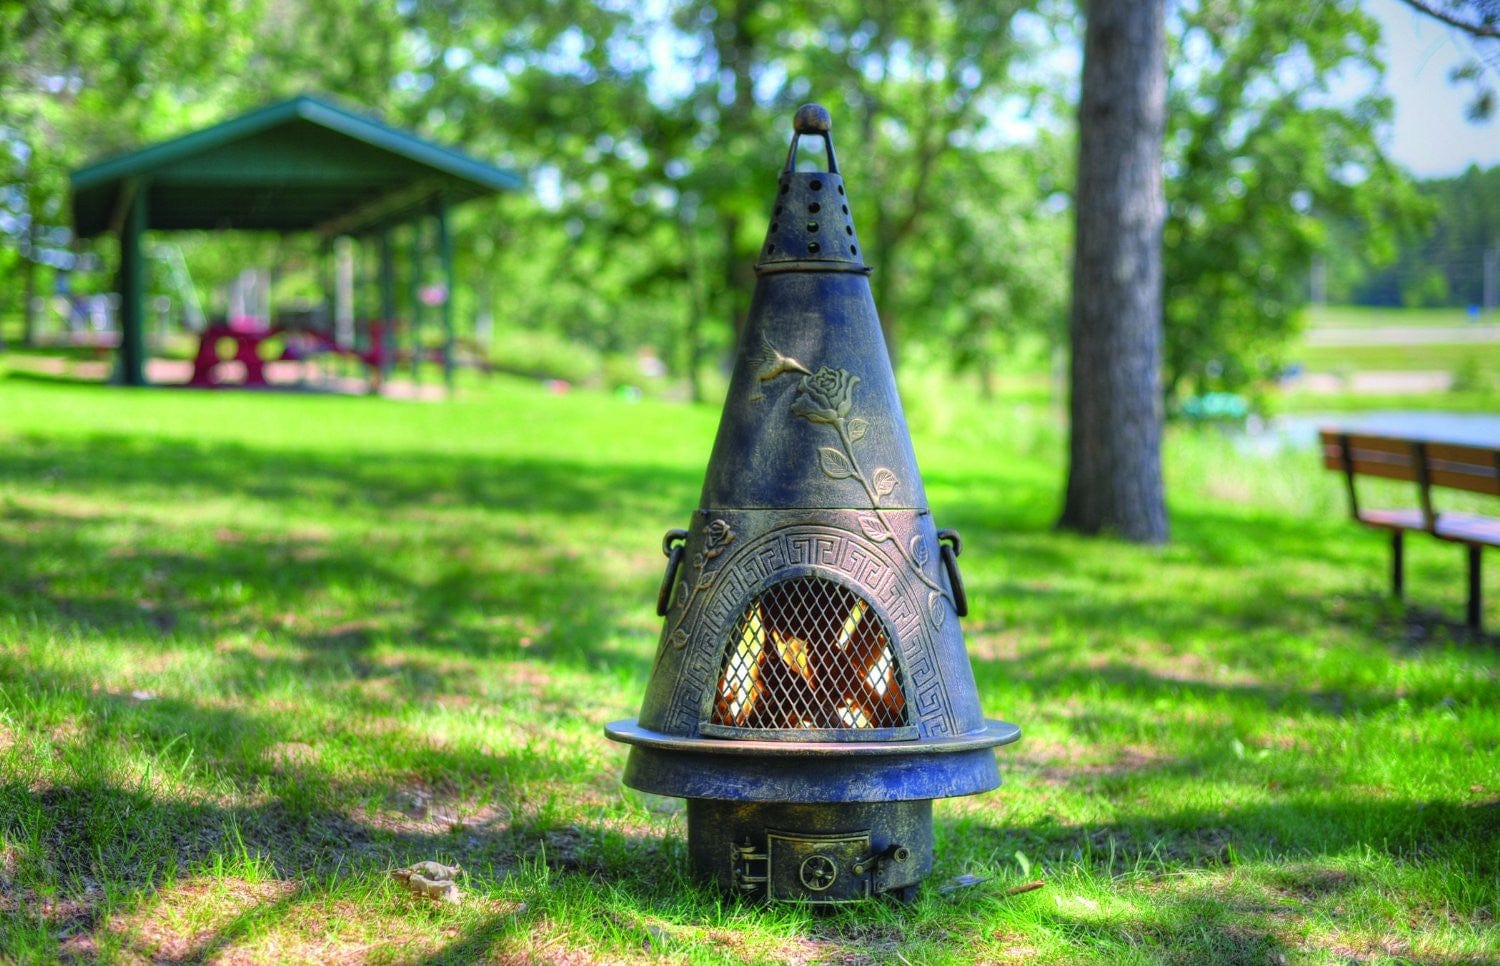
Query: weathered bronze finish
column 860, row 850
column 811, row 694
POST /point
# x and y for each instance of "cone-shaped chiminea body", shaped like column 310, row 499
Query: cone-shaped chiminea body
column 811, row 693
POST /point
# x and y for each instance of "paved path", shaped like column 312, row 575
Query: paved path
column 1373, row 381
column 1406, row 335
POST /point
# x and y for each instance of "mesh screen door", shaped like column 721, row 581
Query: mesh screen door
column 809, row 654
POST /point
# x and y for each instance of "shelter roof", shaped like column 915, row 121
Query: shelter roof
column 298, row 165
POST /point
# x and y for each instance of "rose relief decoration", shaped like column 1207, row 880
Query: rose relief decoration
column 826, row 398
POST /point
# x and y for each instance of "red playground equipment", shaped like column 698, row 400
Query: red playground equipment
column 247, row 337
column 246, row 342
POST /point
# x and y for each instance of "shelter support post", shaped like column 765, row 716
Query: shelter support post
column 445, row 253
column 132, row 358
column 387, row 305
column 414, row 296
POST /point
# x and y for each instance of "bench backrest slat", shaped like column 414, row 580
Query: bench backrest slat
column 1453, row 465
column 1393, row 459
column 1473, row 468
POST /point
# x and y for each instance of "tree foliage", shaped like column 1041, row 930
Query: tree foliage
column 1260, row 160
column 652, row 133
column 1441, row 266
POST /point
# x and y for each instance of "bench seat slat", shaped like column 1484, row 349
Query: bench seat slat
column 1393, row 519
column 1468, row 528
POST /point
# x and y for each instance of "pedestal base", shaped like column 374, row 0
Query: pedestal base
column 818, row 853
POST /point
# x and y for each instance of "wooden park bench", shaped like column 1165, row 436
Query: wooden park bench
column 1430, row 465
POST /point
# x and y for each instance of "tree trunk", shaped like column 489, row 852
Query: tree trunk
column 1114, row 471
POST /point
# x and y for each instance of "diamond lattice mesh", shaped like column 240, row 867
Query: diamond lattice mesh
column 809, row 653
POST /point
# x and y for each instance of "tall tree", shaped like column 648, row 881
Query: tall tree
column 1114, row 456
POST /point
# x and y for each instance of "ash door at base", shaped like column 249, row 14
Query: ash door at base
column 818, row 868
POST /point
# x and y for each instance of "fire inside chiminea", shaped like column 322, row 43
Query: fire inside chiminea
column 811, row 695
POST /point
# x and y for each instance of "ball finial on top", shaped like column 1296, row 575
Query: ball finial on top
column 812, row 119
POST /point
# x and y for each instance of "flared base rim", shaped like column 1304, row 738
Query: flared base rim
column 631, row 733
column 776, row 771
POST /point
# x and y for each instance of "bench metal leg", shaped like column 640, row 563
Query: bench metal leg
column 1476, row 600
column 1398, row 572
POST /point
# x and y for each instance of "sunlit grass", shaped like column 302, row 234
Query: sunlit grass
column 257, row 650
column 1419, row 357
column 1365, row 316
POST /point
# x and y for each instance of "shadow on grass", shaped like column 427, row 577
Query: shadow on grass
column 1255, row 913
column 88, row 857
column 482, row 530
column 1301, row 829
column 111, row 852
column 260, row 593
column 493, row 548
column 111, row 464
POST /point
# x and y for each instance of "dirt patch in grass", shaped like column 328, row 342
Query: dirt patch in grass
column 1361, row 949
column 858, row 942
column 61, row 735
column 1310, row 882
column 417, row 807
column 1009, row 644
column 69, row 918
column 290, row 756
column 574, row 848
column 330, row 931
column 10, row 864
column 187, row 920
column 1060, row 763
column 549, row 953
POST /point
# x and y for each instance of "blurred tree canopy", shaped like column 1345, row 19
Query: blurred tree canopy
column 1442, row 267
column 652, row 135
column 1259, row 161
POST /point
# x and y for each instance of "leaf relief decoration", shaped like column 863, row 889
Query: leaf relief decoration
column 826, row 398
column 835, row 465
column 874, row 527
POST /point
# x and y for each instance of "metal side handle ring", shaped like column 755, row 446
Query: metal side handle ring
column 672, row 546
column 950, row 545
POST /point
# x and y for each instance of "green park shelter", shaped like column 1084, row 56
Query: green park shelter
column 300, row 165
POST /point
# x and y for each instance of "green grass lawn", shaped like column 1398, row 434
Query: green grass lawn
column 256, row 650
column 1421, row 357
column 1366, row 317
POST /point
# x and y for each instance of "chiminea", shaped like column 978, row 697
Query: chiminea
column 811, row 695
